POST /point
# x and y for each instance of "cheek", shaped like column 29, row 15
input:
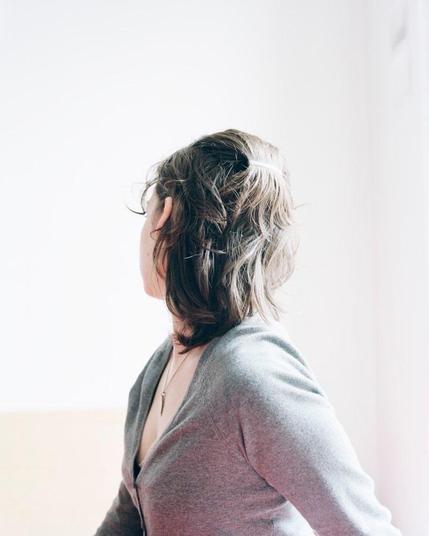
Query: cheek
column 146, row 246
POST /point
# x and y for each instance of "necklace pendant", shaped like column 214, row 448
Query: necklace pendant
column 162, row 401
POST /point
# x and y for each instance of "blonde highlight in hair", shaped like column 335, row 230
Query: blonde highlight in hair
column 230, row 240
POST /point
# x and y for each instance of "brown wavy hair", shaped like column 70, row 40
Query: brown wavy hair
column 230, row 240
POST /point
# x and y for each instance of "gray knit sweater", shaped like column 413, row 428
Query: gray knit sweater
column 255, row 449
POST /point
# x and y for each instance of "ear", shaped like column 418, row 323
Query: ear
column 166, row 211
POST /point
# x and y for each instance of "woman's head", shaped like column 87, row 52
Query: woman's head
column 218, row 239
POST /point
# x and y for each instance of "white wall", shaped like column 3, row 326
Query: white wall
column 399, row 75
column 95, row 92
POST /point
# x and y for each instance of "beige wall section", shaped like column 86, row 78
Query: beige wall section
column 59, row 470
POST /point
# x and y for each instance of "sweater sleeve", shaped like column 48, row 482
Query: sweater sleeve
column 292, row 437
column 122, row 518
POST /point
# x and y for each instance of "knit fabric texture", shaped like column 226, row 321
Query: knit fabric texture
column 255, row 449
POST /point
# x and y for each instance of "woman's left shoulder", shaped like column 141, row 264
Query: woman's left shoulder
column 258, row 357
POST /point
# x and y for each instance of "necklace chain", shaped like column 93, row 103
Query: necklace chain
column 163, row 394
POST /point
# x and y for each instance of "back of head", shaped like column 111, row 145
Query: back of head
column 229, row 242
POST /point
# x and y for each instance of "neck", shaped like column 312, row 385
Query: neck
column 179, row 325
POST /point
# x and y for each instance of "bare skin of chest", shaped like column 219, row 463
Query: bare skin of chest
column 176, row 390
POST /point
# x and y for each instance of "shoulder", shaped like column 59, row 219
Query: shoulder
column 259, row 385
column 258, row 351
column 256, row 363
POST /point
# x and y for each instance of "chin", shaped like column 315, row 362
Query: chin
column 148, row 289
column 151, row 291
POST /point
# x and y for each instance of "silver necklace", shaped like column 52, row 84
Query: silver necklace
column 163, row 394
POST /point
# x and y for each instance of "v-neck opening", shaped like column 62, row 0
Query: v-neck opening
column 143, row 415
column 152, row 394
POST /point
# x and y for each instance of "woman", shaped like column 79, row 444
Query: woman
column 228, row 431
